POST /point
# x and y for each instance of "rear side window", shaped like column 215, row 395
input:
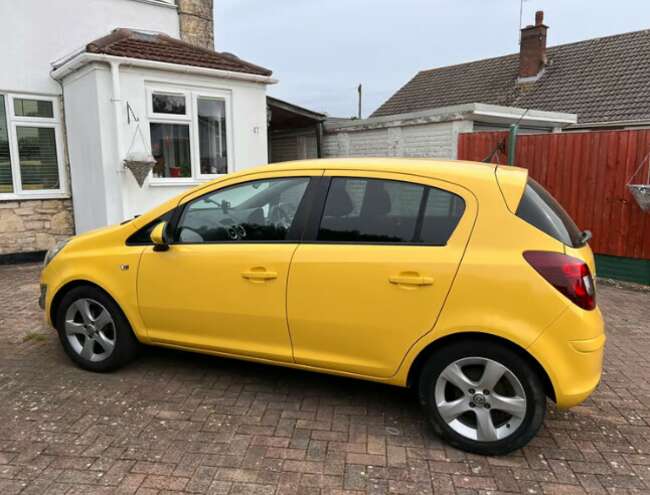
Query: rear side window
column 385, row 211
column 541, row 210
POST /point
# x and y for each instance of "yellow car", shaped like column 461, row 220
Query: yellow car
column 465, row 281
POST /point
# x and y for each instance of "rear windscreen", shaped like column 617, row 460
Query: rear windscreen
column 541, row 210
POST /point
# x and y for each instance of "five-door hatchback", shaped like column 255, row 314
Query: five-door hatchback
column 467, row 282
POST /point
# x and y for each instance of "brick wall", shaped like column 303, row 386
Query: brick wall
column 34, row 225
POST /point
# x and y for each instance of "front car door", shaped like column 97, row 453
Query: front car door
column 373, row 274
column 221, row 286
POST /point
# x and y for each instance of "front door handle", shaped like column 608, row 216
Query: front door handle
column 259, row 274
column 410, row 280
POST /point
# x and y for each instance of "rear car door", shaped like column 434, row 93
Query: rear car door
column 376, row 263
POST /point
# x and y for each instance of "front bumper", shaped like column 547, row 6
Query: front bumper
column 571, row 351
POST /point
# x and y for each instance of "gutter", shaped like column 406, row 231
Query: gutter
column 84, row 58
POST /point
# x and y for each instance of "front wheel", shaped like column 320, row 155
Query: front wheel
column 482, row 397
column 94, row 332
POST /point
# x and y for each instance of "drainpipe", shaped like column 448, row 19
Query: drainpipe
column 115, row 209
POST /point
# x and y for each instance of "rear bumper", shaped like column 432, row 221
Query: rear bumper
column 571, row 351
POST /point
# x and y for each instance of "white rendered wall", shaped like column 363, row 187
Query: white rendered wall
column 119, row 192
column 434, row 140
column 35, row 33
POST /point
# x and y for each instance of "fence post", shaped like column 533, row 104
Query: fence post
column 512, row 143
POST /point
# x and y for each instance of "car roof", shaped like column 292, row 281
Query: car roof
column 452, row 170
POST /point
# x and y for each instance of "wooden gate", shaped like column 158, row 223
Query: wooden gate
column 587, row 172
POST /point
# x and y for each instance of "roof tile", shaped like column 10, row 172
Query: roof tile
column 602, row 80
column 123, row 42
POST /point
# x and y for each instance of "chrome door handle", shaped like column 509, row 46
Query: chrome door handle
column 410, row 280
column 259, row 275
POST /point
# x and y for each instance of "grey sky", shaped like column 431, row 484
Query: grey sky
column 320, row 50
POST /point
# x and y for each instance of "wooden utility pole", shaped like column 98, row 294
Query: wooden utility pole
column 360, row 90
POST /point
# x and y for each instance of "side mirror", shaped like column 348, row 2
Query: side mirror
column 159, row 238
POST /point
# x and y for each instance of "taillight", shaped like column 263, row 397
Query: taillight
column 571, row 276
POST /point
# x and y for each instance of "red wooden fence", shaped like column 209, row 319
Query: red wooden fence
column 587, row 172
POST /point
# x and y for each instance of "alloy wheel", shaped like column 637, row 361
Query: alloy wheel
column 90, row 329
column 480, row 399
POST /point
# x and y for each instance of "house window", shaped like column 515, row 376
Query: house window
column 170, row 146
column 168, row 103
column 6, row 180
column 189, row 134
column 30, row 148
column 212, row 135
column 37, row 158
column 24, row 107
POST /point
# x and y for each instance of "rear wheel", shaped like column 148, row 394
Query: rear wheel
column 482, row 397
column 94, row 332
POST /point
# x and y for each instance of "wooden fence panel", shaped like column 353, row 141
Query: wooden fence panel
column 587, row 172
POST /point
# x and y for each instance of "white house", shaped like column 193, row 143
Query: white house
column 86, row 83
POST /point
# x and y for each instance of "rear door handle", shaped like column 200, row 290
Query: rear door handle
column 259, row 274
column 410, row 280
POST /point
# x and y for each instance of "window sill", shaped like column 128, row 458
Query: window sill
column 34, row 196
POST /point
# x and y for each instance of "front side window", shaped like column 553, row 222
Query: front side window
column 387, row 211
column 29, row 147
column 257, row 211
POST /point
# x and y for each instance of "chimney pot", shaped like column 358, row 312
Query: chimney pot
column 539, row 17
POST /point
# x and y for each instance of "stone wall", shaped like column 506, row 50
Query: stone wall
column 196, row 23
column 34, row 225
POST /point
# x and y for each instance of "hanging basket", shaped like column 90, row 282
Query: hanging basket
column 140, row 164
column 641, row 193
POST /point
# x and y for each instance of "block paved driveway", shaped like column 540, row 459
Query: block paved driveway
column 175, row 422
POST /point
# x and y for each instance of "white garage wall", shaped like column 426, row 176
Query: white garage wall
column 435, row 140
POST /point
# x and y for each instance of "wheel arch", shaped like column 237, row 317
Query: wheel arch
column 73, row 284
column 420, row 360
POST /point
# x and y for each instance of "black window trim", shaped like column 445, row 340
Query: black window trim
column 316, row 217
column 294, row 234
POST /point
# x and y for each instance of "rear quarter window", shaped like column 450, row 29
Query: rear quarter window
column 541, row 210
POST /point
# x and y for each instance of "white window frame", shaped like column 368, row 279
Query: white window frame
column 54, row 123
column 212, row 95
column 170, row 92
column 190, row 118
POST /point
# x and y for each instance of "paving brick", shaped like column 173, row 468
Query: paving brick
column 176, row 422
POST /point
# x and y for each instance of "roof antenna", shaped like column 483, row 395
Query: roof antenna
column 521, row 17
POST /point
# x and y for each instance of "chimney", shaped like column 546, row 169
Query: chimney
column 196, row 22
column 532, row 50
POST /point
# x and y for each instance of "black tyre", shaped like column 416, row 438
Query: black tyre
column 94, row 332
column 482, row 397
